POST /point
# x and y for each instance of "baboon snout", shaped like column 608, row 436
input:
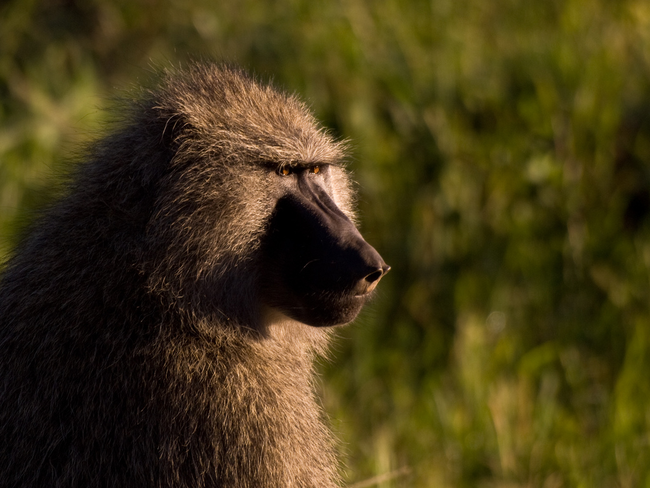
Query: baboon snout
column 318, row 269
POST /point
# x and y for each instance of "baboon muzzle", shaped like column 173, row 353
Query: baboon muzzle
column 319, row 269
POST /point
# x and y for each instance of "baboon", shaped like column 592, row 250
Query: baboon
column 159, row 324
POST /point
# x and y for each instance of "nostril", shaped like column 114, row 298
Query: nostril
column 369, row 282
column 372, row 277
column 377, row 275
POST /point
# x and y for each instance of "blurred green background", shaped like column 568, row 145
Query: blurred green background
column 502, row 151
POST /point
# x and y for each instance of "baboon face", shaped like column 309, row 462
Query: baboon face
column 317, row 268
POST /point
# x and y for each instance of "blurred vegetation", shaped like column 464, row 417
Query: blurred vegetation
column 502, row 150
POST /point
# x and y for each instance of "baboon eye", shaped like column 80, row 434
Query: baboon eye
column 315, row 169
column 284, row 170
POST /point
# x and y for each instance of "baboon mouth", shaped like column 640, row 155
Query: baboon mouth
column 325, row 310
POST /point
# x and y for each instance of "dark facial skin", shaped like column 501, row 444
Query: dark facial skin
column 317, row 268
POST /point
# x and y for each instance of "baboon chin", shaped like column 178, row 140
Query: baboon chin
column 134, row 344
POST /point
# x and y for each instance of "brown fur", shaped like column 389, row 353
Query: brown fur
column 134, row 349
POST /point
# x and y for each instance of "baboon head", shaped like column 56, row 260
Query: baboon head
column 258, row 193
